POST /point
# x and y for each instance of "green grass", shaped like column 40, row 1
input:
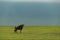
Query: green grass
column 30, row 33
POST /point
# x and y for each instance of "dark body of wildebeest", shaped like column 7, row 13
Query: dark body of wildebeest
column 20, row 27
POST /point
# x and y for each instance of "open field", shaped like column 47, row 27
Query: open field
column 30, row 33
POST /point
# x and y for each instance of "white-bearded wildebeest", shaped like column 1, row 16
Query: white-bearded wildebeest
column 20, row 27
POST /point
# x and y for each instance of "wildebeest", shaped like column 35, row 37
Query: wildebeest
column 20, row 27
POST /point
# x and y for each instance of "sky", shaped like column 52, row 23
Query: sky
column 30, row 12
column 32, row 0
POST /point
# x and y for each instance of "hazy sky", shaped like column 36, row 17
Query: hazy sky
column 32, row 0
column 30, row 12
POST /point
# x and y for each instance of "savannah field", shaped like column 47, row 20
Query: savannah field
column 30, row 33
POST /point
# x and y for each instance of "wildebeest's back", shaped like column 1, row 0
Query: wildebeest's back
column 20, row 27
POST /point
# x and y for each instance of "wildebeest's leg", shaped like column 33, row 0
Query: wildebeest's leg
column 20, row 31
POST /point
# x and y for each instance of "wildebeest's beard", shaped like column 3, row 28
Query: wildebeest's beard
column 20, row 27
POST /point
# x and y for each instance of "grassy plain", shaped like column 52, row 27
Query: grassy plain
column 30, row 33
